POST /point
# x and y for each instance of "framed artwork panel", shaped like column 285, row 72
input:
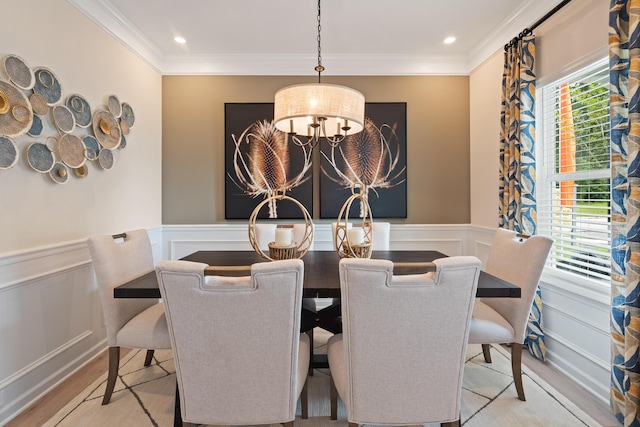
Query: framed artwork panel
column 258, row 160
column 374, row 161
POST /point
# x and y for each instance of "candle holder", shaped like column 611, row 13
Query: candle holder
column 293, row 250
column 278, row 252
column 343, row 246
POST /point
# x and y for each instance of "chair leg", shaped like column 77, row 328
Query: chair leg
column 333, row 398
column 486, row 352
column 353, row 424
column 455, row 423
column 304, row 401
column 114, row 362
column 289, row 424
column 148, row 358
column 516, row 367
column 310, row 333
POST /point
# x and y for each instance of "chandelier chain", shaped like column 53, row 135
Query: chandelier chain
column 319, row 68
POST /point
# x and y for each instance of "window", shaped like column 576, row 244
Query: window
column 573, row 182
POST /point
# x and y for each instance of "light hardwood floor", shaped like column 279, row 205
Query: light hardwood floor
column 46, row 407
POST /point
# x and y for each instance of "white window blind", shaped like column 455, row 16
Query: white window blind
column 573, row 182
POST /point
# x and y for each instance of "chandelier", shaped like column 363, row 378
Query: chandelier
column 307, row 112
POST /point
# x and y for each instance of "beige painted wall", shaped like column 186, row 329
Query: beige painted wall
column 34, row 211
column 437, row 141
column 572, row 38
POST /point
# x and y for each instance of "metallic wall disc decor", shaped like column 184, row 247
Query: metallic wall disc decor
column 114, row 106
column 48, row 85
column 59, row 173
column 36, row 127
column 123, row 142
column 92, row 147
column 71, row 150
column 39, row 104
column 80, row 109
column 63, row 119
column 127, row 114
column 19, row 72
column 105, row 159
column 19, row 116
column 106, row 129
column 82, row 171
column 40, row 158
column 8, row 153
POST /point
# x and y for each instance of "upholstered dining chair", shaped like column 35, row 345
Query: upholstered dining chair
column 519, row 260
column 401, row 355
column 239, row 355
column 131, row 323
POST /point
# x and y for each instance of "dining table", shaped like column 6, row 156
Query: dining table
column 321, row 280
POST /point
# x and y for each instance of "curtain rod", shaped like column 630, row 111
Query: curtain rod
column 527, row 31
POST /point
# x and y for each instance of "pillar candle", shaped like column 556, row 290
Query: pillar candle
column 283, row 236
column 355, row 235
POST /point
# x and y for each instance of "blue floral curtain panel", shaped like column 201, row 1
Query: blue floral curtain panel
column 624, row 63
column 517, row 161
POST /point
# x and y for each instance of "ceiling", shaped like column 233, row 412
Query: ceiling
column 279, row 37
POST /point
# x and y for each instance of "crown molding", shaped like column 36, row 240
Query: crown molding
column 105, row 15
column 120, row 28
column 300, row 65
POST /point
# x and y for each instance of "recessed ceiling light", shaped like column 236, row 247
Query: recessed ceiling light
column 180, row 40
column 449, row 40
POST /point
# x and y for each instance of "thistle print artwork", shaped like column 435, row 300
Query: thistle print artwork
column 373, row 162
column 260, row 162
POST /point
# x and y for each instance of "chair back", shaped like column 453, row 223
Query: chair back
column 381, row 232
column 518, row 260
column 116, row 260
column 265, row 234
column 405, row 339
column 235, row 341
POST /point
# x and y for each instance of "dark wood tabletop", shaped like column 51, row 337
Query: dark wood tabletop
column 321, row 274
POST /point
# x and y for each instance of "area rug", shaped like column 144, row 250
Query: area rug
column 145, row 396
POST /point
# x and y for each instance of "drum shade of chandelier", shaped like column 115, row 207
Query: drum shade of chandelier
column 307, row 112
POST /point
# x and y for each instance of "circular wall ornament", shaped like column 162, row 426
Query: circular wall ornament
column 48, row 85
column 71, row 150
column 63, row 119
column 127, row 115
column 40, row 158
column 18, row 116
column 92, row 147
column 105, row 159
column 81, row 172
column 106, row 129
column 19, row 72
column 59, row 173
column 8, row 153
column 39, row 104
column 80, row 109
column 114, row 106
column 36, row 127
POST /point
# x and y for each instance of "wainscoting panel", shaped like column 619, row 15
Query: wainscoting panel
column 50, row 319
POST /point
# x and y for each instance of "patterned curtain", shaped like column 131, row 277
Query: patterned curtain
column 517, row 161
column 624, row 75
